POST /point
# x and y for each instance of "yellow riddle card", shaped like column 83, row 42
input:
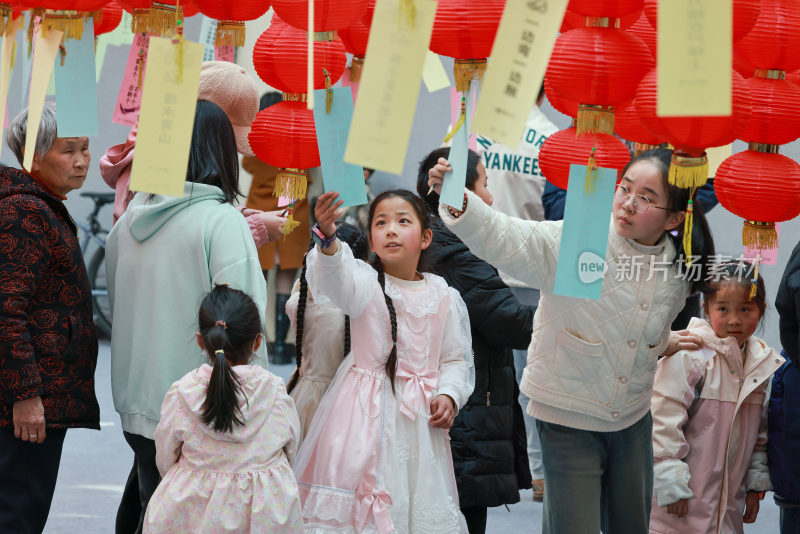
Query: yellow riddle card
column 694, row 57
column 520, row 54
column 390, row 84
column 45, row 49
column 6, row 50
column 166, row 118
column 716, row 155
column 433, row 73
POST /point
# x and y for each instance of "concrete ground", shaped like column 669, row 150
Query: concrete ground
column 95, row 465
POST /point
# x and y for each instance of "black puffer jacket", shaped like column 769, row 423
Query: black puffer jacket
column 488, row 438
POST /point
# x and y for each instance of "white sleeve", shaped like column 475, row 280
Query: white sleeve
column 526, row 250
column 456, row 367
column 349, row 283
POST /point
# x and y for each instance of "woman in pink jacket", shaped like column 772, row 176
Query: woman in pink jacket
column 709, row 471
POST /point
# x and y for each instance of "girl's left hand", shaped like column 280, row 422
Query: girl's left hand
column 751, row 506
column 443, row 411
column 682, row 340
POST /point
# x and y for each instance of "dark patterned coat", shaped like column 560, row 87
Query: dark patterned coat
column 48, row 345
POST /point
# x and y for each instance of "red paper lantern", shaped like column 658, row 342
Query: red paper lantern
column 793, row 77
column 629, row 126
column 465, row 31
column 694, row 134
column 280, row 58
column 759, row 186
column 355, row 38
column 71, row 5
column 284, row 136
column 774, row 41
column 598, row 66
column 605, row 8
column 231, row 16
column 565, row 147
column 745, row 13
column 561, row 104
column 329, row 15
column 190, row 8
column 774, row 119
column 645, row 31
column 109, row 20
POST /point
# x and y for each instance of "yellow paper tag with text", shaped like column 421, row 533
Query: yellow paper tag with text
column 44, row 56
column 8, row 47
column 694, row 57
column 716, row 155
column 166, row 118
column 390, row 85
column 433, row 73
column 516, row 68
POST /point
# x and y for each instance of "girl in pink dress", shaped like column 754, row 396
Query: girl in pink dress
column 376, row 457
column 227, row 435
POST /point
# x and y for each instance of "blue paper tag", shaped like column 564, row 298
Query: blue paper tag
column 584, row 238
column 76, row 89
column 452, row 192
column 333, row 129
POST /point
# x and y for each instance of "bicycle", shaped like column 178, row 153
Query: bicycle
column 96, row 266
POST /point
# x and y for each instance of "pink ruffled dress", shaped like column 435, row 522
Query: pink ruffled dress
column 239, row 481
column 371, row 461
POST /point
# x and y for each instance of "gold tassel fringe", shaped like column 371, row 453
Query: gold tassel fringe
column 638, row 148
column 69, row 22
column 467, row 70
column 688, row 172
column 290, row 224
column 291, row 183
column 460, row 122
column 595, row 119
column 591, row 174
column 356, row 66
column 688, row 224
column 5, row 17
column 140, row 22
column 230, row 33
column 759, row 235
column 163, row 19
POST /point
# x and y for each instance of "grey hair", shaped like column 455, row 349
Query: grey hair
column 18, row 128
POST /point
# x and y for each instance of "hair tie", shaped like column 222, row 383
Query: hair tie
column 218, row 352
column 222, row 324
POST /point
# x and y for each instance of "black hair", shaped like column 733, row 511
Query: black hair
column 270, row 98
column 429, row 161
column 421, row 211
column 213, row 158
column 229, row 324
column 357, row 242
column 541, row 93
column 677, row 200
column 738, row 272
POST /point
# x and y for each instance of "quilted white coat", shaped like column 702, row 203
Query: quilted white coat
column 591, row 363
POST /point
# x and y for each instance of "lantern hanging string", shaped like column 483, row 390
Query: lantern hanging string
column 460, row 122
column 688, row 224
column 591, row 173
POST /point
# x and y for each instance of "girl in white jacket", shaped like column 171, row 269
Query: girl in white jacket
column 591, row 362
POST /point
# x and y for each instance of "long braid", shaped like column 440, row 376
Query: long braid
column 346, row 335
column 298, row 339
column 391, row 362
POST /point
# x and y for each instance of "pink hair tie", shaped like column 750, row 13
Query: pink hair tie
column 222, row 324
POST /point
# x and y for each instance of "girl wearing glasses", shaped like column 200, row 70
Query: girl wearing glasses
column 591, row 363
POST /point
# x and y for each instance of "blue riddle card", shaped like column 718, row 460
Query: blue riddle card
column 76, row 86
column 452, row 192
column 582, row 257
column 333, row 129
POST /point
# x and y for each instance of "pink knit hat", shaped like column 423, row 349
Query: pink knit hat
column 230, row 87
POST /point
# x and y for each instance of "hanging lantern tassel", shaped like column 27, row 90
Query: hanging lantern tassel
column 290, row 223
column 5, row 17
column 595, row 119
column 591, row 173
column 467, row 70
column 69, row 22
column 760, row 235
column 688, row 172
column 291, row 183
column 178, row 43
column 230, row 33
column 140, row 21
column 163, row 18
column 356, row 66
column 688, row 224
column 754, row 282
column 328, row 92
column 461, row 119
column 140, row 68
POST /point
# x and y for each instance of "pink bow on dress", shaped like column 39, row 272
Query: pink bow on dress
column 376, row 501
column 418, row 391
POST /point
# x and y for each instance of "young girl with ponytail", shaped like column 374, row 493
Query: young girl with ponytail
column 377, row 457
column 322, row 335
column 227, row 434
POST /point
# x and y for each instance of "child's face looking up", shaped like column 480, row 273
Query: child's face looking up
column 397, row 236
column 732, row 312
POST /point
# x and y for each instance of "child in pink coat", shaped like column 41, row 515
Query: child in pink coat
column 227, row 435
column 709, row 418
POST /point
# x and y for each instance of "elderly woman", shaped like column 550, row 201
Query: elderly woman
column 162, row 257
column 48, row 346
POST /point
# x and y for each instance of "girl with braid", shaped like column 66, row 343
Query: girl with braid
column 376, row 457
column 322, row 334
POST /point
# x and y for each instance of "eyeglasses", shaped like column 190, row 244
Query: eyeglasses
column 640, row 202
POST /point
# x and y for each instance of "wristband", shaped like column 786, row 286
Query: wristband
column 319, row 237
